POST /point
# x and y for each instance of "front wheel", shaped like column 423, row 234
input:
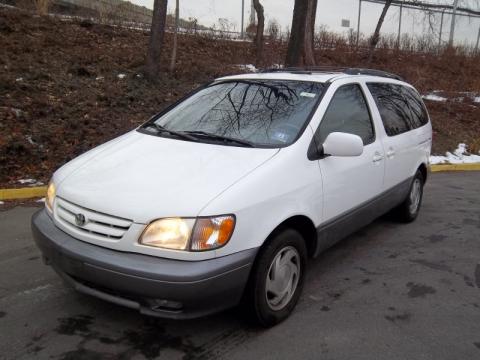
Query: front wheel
column 277, row 278
column 409, row 209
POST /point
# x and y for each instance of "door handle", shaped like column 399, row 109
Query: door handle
column 377, row 157
column 390, row 153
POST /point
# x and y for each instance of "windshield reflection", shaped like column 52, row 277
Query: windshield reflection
column 265, row 113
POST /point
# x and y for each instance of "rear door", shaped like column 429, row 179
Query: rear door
column 349, row 182
column 399, row 142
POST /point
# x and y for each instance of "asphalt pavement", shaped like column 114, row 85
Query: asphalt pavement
column 391, row 291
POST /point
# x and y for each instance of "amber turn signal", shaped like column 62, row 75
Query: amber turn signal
column 212, row 233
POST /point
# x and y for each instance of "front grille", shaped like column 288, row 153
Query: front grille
column 97, row 224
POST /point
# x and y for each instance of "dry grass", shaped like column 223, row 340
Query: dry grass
column 60, row 94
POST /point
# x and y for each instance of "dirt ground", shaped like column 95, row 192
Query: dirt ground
column 67, row 86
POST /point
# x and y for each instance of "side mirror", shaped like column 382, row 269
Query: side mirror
column 343, row 144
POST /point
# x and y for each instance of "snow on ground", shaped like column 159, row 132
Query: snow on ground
column 1, row 203
column 27, row 181
column 30, row 182
column 433, row 97
column 247, row 67
column 121, row 76
column 439, row 95
column 459, row 156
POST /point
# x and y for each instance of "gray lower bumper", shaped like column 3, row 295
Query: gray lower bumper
column 154, row 286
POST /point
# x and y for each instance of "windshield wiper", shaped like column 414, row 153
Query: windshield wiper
column 221, row 138
column 180, row 134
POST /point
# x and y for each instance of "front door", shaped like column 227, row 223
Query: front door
column 350, row 183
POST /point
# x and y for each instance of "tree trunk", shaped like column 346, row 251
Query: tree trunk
column 157, row 32
column 376, row 35
column 175, row 36
column 260, row 30
column 42, row 6
column 300, row 45
column 308, row 51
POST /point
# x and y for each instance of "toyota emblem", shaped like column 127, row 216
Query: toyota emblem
column 80, row 219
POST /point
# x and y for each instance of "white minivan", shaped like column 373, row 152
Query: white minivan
column 223, row 196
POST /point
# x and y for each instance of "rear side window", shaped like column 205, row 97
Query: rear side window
column 393, row 107
column 419, row 112
column 347, row 112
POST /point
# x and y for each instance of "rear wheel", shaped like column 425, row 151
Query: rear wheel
column 409, row 209
column 277, row 278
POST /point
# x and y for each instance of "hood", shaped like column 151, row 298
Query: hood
column 142, row 177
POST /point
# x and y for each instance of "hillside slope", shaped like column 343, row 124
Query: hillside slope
column 66, row 86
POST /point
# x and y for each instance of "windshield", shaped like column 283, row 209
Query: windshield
column 265, row 113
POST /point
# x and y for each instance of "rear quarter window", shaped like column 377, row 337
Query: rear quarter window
column 419, row 111
column 393, row 107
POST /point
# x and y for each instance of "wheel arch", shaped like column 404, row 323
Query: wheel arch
column 304, row 225
column 424, row 171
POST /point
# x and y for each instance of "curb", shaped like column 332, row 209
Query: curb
column 40, row 191
column 23, row 193
column 455, row 167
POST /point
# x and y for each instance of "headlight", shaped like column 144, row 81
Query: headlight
column 50, row 195
column 189, row 234
column 171, row 233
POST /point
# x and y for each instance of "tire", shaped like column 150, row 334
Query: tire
column 277, row 278
column 408, row 210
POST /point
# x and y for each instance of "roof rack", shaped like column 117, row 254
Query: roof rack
column 334, row 69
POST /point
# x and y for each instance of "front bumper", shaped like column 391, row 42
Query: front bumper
column 154, row 286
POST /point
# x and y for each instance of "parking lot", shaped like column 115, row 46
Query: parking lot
column 391, row 291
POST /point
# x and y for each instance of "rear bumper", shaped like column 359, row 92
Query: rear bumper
column 154, row 286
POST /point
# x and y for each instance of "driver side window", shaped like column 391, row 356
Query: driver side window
column 347, row 112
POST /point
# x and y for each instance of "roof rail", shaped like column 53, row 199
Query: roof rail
column 334, row 69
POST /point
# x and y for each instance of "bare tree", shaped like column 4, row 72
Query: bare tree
column 309, row 56
column 376, row 35
column 155, row 44
column 300, row 45
column 260, row 29
column 175, row 36
column 42, row 6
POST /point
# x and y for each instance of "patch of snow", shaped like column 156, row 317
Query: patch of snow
column 1, row 203
column 27, row 181
column 121, row 76
column 7, row 6
column 19, row 79
column 433, row 97
column 439, row 95
column 248, row 67
column 30, row 182
column 99, row 78
column 459, row 156
column 18, row 113
column 238, row 40
column 30, row 140
column 42, row 200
